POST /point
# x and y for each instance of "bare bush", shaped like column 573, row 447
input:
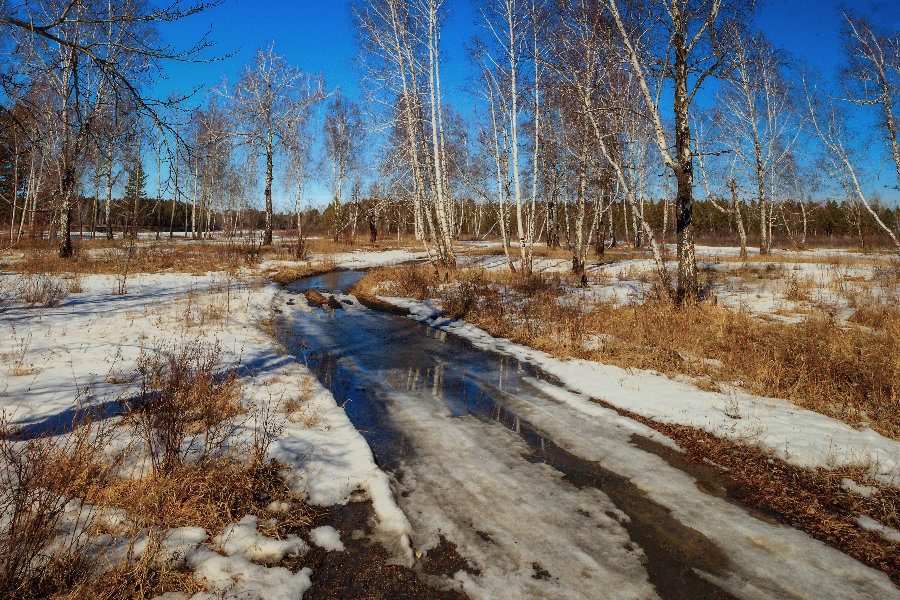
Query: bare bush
column 185, row 404
column 42, row 289
column 41, row 518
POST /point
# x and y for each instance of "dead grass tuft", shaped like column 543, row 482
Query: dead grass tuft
column 882, row 316
column 185, row 404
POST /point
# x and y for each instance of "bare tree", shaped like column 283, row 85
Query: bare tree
column 514, row 29
column 298, row 141
column 92, row 54
column 756, row 119
column 344, row 134
column 829, row 121
column 685, row 41
column 401, row 41
column 267, row 100
column 872, row 75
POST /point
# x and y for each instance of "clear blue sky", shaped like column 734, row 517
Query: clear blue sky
column 318, row 37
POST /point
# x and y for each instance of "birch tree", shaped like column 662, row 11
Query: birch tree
column 829, row 120
column 401, row 43
column 757, row 123
column 683, row 42
column 343, row 137
column 513, row 27
column 267, row 100
column 872, row 74
column 92, row 54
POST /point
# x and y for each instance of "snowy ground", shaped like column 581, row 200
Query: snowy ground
column 785, row 287
column 85, row 350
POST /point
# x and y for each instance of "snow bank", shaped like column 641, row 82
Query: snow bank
column 801, row 437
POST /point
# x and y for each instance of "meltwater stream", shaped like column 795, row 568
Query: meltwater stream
column 464, row 434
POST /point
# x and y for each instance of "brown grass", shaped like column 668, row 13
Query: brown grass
column 847, row 373
column 108, row 258
column 883, row 316
column 201, row 476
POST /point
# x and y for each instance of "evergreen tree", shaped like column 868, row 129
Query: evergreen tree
column 134, row 187
column 135, row 195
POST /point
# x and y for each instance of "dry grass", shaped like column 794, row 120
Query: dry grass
column 202, row 475
column 284, row 274
column 209, row 495
column 846, row 373
column 882, row 316
column 109, row 258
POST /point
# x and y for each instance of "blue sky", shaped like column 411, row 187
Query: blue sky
column 318, row 37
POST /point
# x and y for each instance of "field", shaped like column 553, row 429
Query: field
column 139, row 377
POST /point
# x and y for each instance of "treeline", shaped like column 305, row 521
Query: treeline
column 577, row 109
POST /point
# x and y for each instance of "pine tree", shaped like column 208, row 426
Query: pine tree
column 134, row 193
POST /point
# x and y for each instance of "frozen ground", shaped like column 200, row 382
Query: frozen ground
column 85, row 350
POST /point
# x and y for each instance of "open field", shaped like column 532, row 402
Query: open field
column 129, row 391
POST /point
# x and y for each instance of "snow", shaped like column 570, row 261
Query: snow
column 234, row 577
column 863, row 490
column 482, row 502
column 327, row 538
column 84, row 352
column 870, row 524
column 801, row 437
column 244, row 539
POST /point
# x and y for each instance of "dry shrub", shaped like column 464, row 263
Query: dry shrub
column 798, row 289
column 888, row 274
column 878, row 315
column 42, row 289
column 185, row 404
column 40, row 478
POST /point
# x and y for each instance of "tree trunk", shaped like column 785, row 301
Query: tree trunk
column 267, row 237
column 578, row 252
column 738, row 218
column 65, row 209
column 687, row 287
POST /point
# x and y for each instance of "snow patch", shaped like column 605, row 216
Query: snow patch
column 327, row 538
column 236, row 578
column 870, row 524
column 244, row 539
